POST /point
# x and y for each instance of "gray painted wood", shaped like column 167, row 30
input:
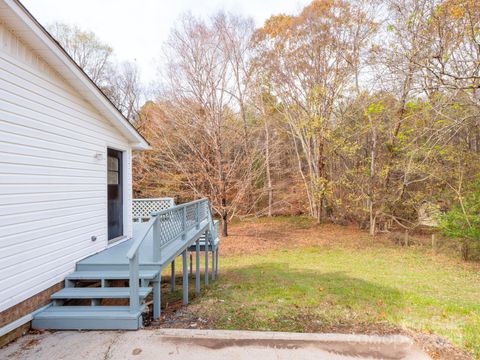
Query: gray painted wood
column 206, row 265
column 191, row 263
column 172, row 276
column 88, row 317
column 141, row 264
column 110, row 275
column 134, row 290
column 185, row 278
column 216, row 263
column 116, row 255
column 98, row 293
column 157, row 247
column 213, row 263
column 157, row 300
column 197, row 267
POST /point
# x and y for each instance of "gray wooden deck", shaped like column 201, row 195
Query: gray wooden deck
column 174, row 231
column 117, row 254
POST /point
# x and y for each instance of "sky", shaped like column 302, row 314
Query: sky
column 136, row 29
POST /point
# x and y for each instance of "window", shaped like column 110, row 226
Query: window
column 113, row 167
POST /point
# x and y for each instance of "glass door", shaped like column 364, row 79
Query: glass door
column 115, row 194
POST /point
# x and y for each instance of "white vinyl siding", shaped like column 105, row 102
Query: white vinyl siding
column 53, row 192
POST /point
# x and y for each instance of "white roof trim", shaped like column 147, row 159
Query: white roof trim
column 15, row 15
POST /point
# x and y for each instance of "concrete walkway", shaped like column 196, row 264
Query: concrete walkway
column 208, row 344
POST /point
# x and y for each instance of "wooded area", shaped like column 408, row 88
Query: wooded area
column 350, row 111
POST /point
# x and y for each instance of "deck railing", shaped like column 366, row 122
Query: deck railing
column 143, row 208
column 169, row 225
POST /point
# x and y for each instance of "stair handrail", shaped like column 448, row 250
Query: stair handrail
column 181, row 219
column 154, row 216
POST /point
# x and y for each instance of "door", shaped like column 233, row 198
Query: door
column 115, row 194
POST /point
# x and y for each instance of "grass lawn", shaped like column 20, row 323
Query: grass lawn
column 289, row 275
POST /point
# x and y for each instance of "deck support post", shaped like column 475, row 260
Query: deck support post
column 206, row 258
column 216, row 262
column 197, row 267
column 213, row 262
column 157, row 287
column 185, row 277
column 191, row 263
column 172, row 276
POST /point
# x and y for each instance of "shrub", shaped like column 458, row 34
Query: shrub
column 463, row 220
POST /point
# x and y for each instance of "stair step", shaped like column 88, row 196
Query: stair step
column 98, row 293
column 90, row 309
column 202, row 245
column 88, row 317
column 110, row 275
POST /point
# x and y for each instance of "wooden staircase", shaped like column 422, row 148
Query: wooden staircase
column 63, row 316
column 98, row 294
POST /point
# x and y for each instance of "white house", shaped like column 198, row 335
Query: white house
column 61, row 142
column 66, row 198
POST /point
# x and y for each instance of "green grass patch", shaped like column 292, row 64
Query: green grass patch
column 318, row 289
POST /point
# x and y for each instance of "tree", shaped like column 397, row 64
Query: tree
column 350, row 111
column 125, row 89
column 310, row 61
column 86, row 49
column 119, row 82
column 206, row 134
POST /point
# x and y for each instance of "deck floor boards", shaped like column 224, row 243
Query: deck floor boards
column 117, row 254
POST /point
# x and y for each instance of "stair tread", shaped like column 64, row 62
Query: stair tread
column 116, row 312
column 113, row 275
column 202, row 245
column 202, row 241
column 98, row 293
column 100, row 308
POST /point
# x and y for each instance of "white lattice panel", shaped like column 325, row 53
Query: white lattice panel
column 142, row 208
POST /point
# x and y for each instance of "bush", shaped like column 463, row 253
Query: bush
column 463, row 221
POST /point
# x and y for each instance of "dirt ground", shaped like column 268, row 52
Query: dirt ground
column 251, row 237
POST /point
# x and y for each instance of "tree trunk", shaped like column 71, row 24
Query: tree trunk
column 319, row 211
column 371, row 185
column 224, row 223
column 321, row 176
column 268, row 170
column 372, row 221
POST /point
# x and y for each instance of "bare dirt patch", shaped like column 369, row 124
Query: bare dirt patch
column 254, row 236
